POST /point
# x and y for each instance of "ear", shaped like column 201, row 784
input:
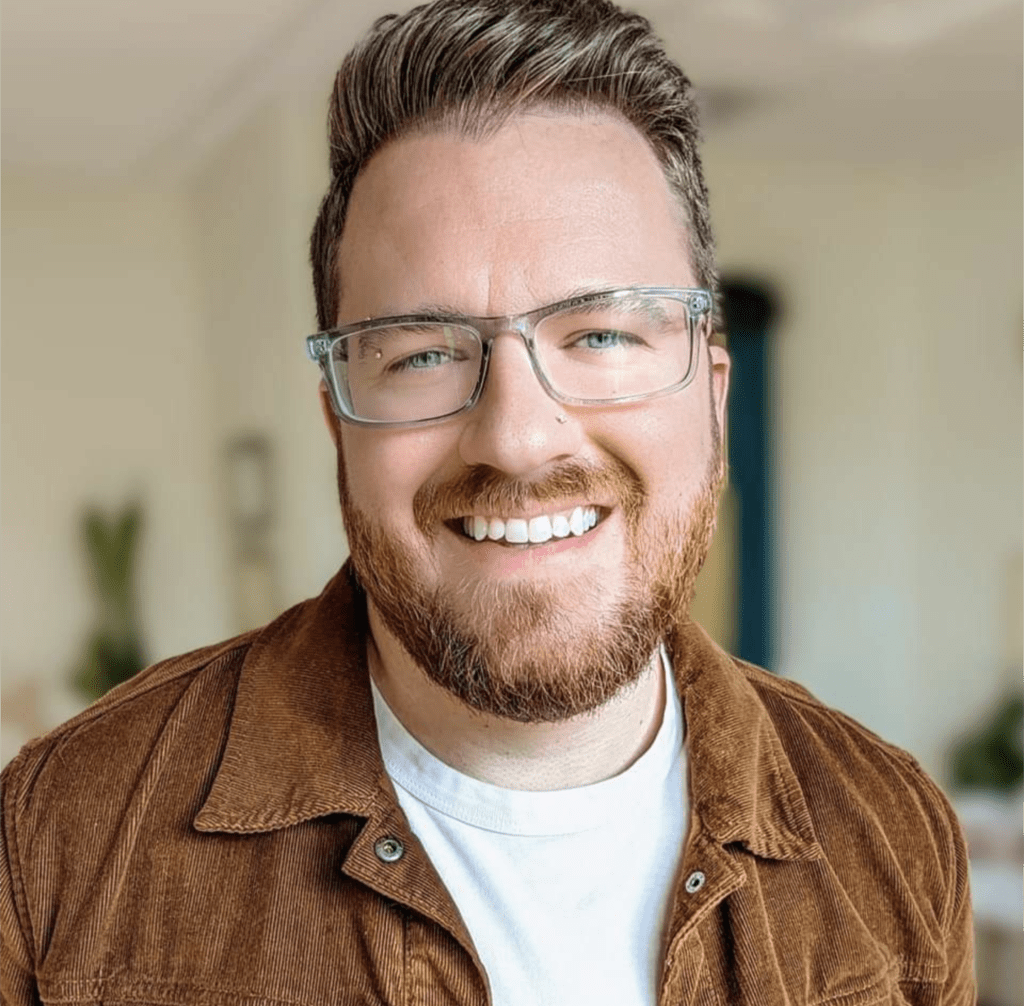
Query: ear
column 720, row 363
column 333, row 425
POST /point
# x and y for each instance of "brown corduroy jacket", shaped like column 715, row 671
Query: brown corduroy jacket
column 206, row 834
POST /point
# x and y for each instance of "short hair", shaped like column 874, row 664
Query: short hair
column 470, row 65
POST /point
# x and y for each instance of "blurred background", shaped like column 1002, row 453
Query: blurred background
column 167, row 480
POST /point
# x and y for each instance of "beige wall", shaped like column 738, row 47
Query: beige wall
column 251, row 210
column 102, row 395
column 898, row 404
column 898, row 396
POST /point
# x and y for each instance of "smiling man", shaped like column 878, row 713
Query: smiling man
column 495, row 761
column 529, row 551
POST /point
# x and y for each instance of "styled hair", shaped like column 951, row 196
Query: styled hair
column 470, row 65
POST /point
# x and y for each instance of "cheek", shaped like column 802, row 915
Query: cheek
column 668, row 444
column 385, row 468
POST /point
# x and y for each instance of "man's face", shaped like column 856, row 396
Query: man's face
column 549, row 205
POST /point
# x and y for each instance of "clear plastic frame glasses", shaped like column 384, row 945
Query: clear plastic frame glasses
column 614, row 346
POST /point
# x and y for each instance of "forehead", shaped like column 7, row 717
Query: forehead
column 545, row 205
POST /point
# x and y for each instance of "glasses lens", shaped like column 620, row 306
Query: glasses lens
column 618, row 347
column 404, row 373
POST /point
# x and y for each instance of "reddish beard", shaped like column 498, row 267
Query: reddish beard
column 519, row 650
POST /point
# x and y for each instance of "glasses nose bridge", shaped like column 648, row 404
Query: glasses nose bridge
column 512, row 324
column 523, row 326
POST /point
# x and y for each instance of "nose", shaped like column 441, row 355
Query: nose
column 514, row 425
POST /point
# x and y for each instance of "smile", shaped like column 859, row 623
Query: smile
column 534, row 530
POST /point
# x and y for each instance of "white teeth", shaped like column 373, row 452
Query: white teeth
column 539, row 529
column 516, row 531
column 536, row 530
column 576, row 524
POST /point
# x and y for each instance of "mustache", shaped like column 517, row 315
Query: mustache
column 482, row 489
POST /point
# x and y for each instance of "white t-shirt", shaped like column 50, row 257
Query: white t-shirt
column 566, row 893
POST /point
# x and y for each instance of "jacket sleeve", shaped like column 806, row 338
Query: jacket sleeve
column 960, row 988
column 17, row 971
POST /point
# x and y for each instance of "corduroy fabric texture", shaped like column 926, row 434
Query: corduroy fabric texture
column 206, row 834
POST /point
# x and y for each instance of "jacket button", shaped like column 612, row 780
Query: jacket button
column 389, row 850
column 694, row 882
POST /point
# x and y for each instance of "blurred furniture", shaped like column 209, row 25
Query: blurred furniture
column 992, row 826
column 749, row 308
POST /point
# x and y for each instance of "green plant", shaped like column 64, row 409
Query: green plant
column 991, row 758
column 114, row 650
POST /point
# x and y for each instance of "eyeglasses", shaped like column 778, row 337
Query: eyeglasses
column 595, row 349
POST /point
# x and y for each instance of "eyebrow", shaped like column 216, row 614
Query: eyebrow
column 431, row 312
column 439, row 311
column 635, row 304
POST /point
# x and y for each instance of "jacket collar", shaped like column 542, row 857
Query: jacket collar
column 742, row 786
column 302, row 740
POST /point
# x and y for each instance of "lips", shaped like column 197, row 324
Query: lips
column 534, row 530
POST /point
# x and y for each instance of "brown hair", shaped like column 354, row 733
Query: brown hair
column 471, row 64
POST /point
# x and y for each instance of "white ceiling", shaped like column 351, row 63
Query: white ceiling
column 128, row 89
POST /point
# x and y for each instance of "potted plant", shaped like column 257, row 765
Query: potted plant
column 114, row 650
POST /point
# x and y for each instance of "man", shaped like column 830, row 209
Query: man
column 494, row 760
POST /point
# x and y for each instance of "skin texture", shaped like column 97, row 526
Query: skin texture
column 526, row 668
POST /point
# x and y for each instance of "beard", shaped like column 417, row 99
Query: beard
column 535, row 652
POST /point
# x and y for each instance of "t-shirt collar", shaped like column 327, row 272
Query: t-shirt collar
column 302, row 740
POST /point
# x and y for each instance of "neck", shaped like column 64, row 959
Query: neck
column 525, row 756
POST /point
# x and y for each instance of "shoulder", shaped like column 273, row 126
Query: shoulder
column 881, row 821
column 824, row 743
column 76, row 798
column 101, row 751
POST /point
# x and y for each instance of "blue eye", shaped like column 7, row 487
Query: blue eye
column 426, row 360
column 606, row 339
